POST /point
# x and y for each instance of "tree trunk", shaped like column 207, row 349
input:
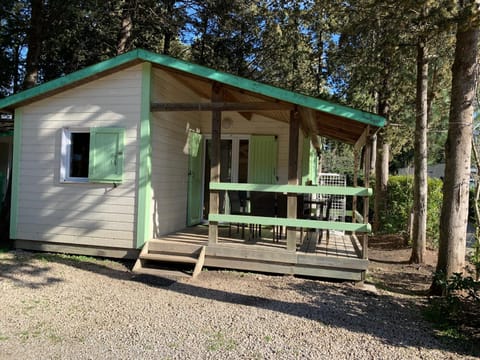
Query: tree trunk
column 34, row 44
column 454, row 215
column 383, row 150
column 168, row 34
column 420, row 185
column 125, row 29
column 381, row 178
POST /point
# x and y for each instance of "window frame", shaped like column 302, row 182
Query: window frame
column 66, row 155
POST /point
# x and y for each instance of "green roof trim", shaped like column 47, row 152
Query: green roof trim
column 69, row 79
column 203, row 72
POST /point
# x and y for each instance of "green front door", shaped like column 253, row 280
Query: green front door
column 195, row 172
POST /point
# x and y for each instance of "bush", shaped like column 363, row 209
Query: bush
column 400, row 202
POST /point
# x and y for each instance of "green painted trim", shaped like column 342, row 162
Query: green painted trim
column 263, row 89
column 144, row 188
column 295, row 189
column 301, row 223
column 17, row 154
column 203, row 72
column 69, row 79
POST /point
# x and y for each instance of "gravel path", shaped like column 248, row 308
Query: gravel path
column 59, row 308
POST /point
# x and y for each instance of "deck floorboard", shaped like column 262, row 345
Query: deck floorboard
column 313, row 256
column 311, row 242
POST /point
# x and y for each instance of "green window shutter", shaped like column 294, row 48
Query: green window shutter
column 309, row 163
column 262, row 164
column 106, row 155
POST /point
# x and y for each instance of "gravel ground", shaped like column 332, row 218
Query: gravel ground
column 61, row 308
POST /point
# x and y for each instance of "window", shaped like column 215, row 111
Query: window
column 92, row 155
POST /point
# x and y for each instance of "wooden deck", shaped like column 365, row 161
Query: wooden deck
column 339, row 259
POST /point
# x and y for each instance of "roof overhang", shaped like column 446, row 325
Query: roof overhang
column 319, row 117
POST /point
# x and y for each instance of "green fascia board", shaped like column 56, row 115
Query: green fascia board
column 201, row 71
column 295, row 189
column 69, row 79
column 301, row 223
column 263, row 89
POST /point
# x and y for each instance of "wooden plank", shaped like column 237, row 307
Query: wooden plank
column 138, row 264
column 356, row 245
column 252, row 253
column 200, row 262
column 356, row 163
column 221, row 106
column 358, row 217
column 173, row 247
column 215, row 162
column 294, row 189
column 362, row 140
column 229, row 263
column 77, row 249
column 84, row 240
column 93, row 230
column 169, row 258
column 164, row 273
column 290, row 222
column 329, row 273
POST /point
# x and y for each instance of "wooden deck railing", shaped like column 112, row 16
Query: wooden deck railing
column 357, row 226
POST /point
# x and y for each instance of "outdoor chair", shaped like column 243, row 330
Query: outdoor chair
column 263, row 204
column 238, row 206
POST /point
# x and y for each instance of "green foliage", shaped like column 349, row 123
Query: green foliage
column 453, row 313
column 475, row 256
column 400, row 202
column 219, row 341
column 453, row 286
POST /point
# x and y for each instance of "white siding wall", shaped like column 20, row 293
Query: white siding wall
column 259, row 125
column 169, row 136
column 169, row 162
column 86, row 214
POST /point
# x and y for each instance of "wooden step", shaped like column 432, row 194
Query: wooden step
column 163, row 246
column 166, row 273
column 163, row 257
column 160, row 252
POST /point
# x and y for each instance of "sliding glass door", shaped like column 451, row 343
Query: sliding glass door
column 233, row 166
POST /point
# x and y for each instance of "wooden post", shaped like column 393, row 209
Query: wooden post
column 356, row 161
column 217, row 96
column 292, row 177
column 367, row 159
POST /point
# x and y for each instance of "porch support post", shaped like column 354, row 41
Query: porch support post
column 356, row 161
column 292, row 177
column 366, row 169
column 215, row 163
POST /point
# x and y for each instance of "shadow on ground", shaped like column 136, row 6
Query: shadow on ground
column 395, row 320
